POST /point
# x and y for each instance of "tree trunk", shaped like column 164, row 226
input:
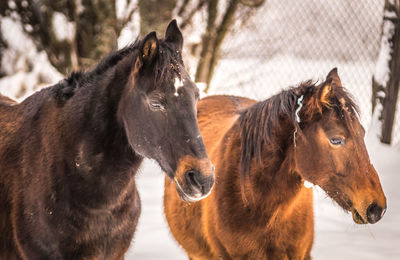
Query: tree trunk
column 223, row 29
column 207, row 42
column 155, row 16
column 215, row 35
column 389, row 89
column 3, row 46
column 96, row 31
column 95, row 23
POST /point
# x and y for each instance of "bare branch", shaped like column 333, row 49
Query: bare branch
column 124, row 21
column 221, row 33
column 252, row 3
column 182, row 8
column 207, row 41
column 188, row 19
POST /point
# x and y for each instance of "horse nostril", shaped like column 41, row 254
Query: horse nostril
column 374, row 213
column 192, row 177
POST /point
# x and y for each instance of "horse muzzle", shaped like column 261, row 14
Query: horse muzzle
column 371, row 215
column 194, row 178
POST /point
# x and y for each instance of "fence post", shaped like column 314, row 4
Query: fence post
column 388, row 85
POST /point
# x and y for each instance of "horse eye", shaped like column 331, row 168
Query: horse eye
column 157, row 106
column 337, row 141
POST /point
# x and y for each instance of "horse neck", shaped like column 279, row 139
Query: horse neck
column 102, row 98
column 91, row 117
column 271, row 186
column 100, row 154
column 273, row 178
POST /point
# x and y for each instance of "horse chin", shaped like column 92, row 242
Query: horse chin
column 357, row 218
column 346, row 204
column 187, row 197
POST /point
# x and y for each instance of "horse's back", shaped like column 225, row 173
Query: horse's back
column 216, row 115
column 6, row 101
column 7, row 106
column 8, row 118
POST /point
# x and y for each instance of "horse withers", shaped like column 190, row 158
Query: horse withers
column 69, row 153
column 263, row 154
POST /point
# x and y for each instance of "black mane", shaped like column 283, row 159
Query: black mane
column 260, row 124
column 65, row 89
column 165, row 63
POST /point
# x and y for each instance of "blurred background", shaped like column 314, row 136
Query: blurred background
column 251, row 48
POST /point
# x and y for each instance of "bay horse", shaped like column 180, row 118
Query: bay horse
column 263, row 154
column 69, row 153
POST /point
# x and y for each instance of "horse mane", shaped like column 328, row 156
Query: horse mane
column 65, row 88
column 261, row 123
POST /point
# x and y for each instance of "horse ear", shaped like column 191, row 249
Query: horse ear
column 334, row 78
column 173, row 35
column 148, row 50
column 326, row 93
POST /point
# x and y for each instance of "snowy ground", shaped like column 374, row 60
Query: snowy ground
column 337, row 237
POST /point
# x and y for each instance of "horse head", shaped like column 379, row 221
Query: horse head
column 158, row 112
column 330, row 151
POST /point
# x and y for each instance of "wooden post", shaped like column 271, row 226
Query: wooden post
column 391, row 87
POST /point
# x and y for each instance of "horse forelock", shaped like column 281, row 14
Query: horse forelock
column 263, row 123
column 340, row 101
column 169, row 64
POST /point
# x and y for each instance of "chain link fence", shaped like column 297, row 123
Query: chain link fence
column 286, row 42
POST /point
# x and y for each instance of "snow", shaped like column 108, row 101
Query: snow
column 68, row 28
column 131, row 30
column 30, row 69
column 382, row 70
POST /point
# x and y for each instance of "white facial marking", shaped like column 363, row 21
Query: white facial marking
column 178, row 84
column 308, row 184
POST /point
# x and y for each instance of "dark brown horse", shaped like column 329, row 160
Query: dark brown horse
column 69, row 153
column 263, row 153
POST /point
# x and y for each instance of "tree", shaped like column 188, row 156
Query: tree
column 3, row 46
column 215, row 32
column 92, row 32
column 155, row 15
column 93, row 27
column 386, row 79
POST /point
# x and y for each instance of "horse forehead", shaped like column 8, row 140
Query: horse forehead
column 178, row 83
column 182, row 81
